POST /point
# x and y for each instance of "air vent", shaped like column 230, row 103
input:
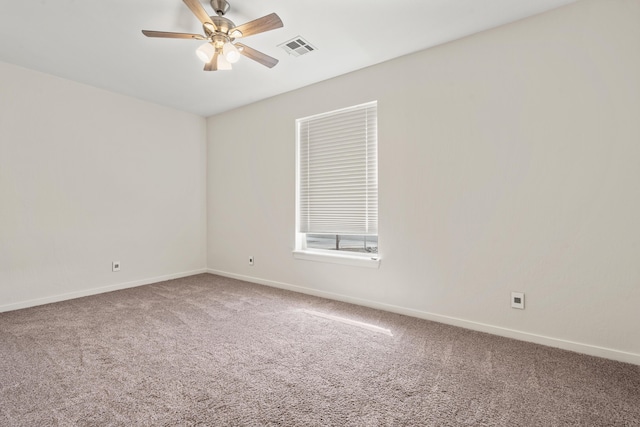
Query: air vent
column 297, row 46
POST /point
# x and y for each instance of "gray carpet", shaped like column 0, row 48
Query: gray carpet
column 212, row 351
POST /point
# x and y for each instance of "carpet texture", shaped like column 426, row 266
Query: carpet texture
column 211, row 351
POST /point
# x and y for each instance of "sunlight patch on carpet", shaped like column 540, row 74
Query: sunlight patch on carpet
column 351, row 322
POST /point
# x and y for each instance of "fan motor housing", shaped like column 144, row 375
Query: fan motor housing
column 223, row 24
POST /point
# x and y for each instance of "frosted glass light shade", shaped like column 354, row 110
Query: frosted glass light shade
column 205, row 52
column 223, row 64
column 231, row 53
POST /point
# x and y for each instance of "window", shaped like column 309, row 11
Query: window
column 337, row 183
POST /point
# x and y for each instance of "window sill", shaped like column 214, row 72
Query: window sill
column 344, row 259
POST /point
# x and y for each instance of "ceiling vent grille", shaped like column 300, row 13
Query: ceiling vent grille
column 297, row 46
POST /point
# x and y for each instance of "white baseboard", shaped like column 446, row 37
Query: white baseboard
column 99, row 290
column 588, row 349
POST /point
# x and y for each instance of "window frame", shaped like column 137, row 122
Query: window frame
column 301, row 251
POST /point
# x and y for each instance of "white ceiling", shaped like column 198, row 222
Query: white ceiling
column 99, row 42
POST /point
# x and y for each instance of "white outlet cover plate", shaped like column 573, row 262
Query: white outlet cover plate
column 115, row 266
column 517, row 296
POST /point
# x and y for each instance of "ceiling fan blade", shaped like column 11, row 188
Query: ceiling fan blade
column 199, row 11
column 260, row 25
column 257, row 56
column 213, row 64
column 169, row 35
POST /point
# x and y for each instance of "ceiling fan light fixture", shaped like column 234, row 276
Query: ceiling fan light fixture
column 219, row 40
column 219, row 32
column 231, row 53
column 206, row 52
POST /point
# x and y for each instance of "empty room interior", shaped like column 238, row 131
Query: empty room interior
column 161, row 262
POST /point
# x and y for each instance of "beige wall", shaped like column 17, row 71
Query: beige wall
column 88, row 177
column 508, row 161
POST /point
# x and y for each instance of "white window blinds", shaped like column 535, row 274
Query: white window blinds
column 338, row 172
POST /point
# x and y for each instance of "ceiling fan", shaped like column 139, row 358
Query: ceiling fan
column 221, row 49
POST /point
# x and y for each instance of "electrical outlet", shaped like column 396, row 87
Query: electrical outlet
column 115, row 266
column 250, row 260
column 517, row 300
